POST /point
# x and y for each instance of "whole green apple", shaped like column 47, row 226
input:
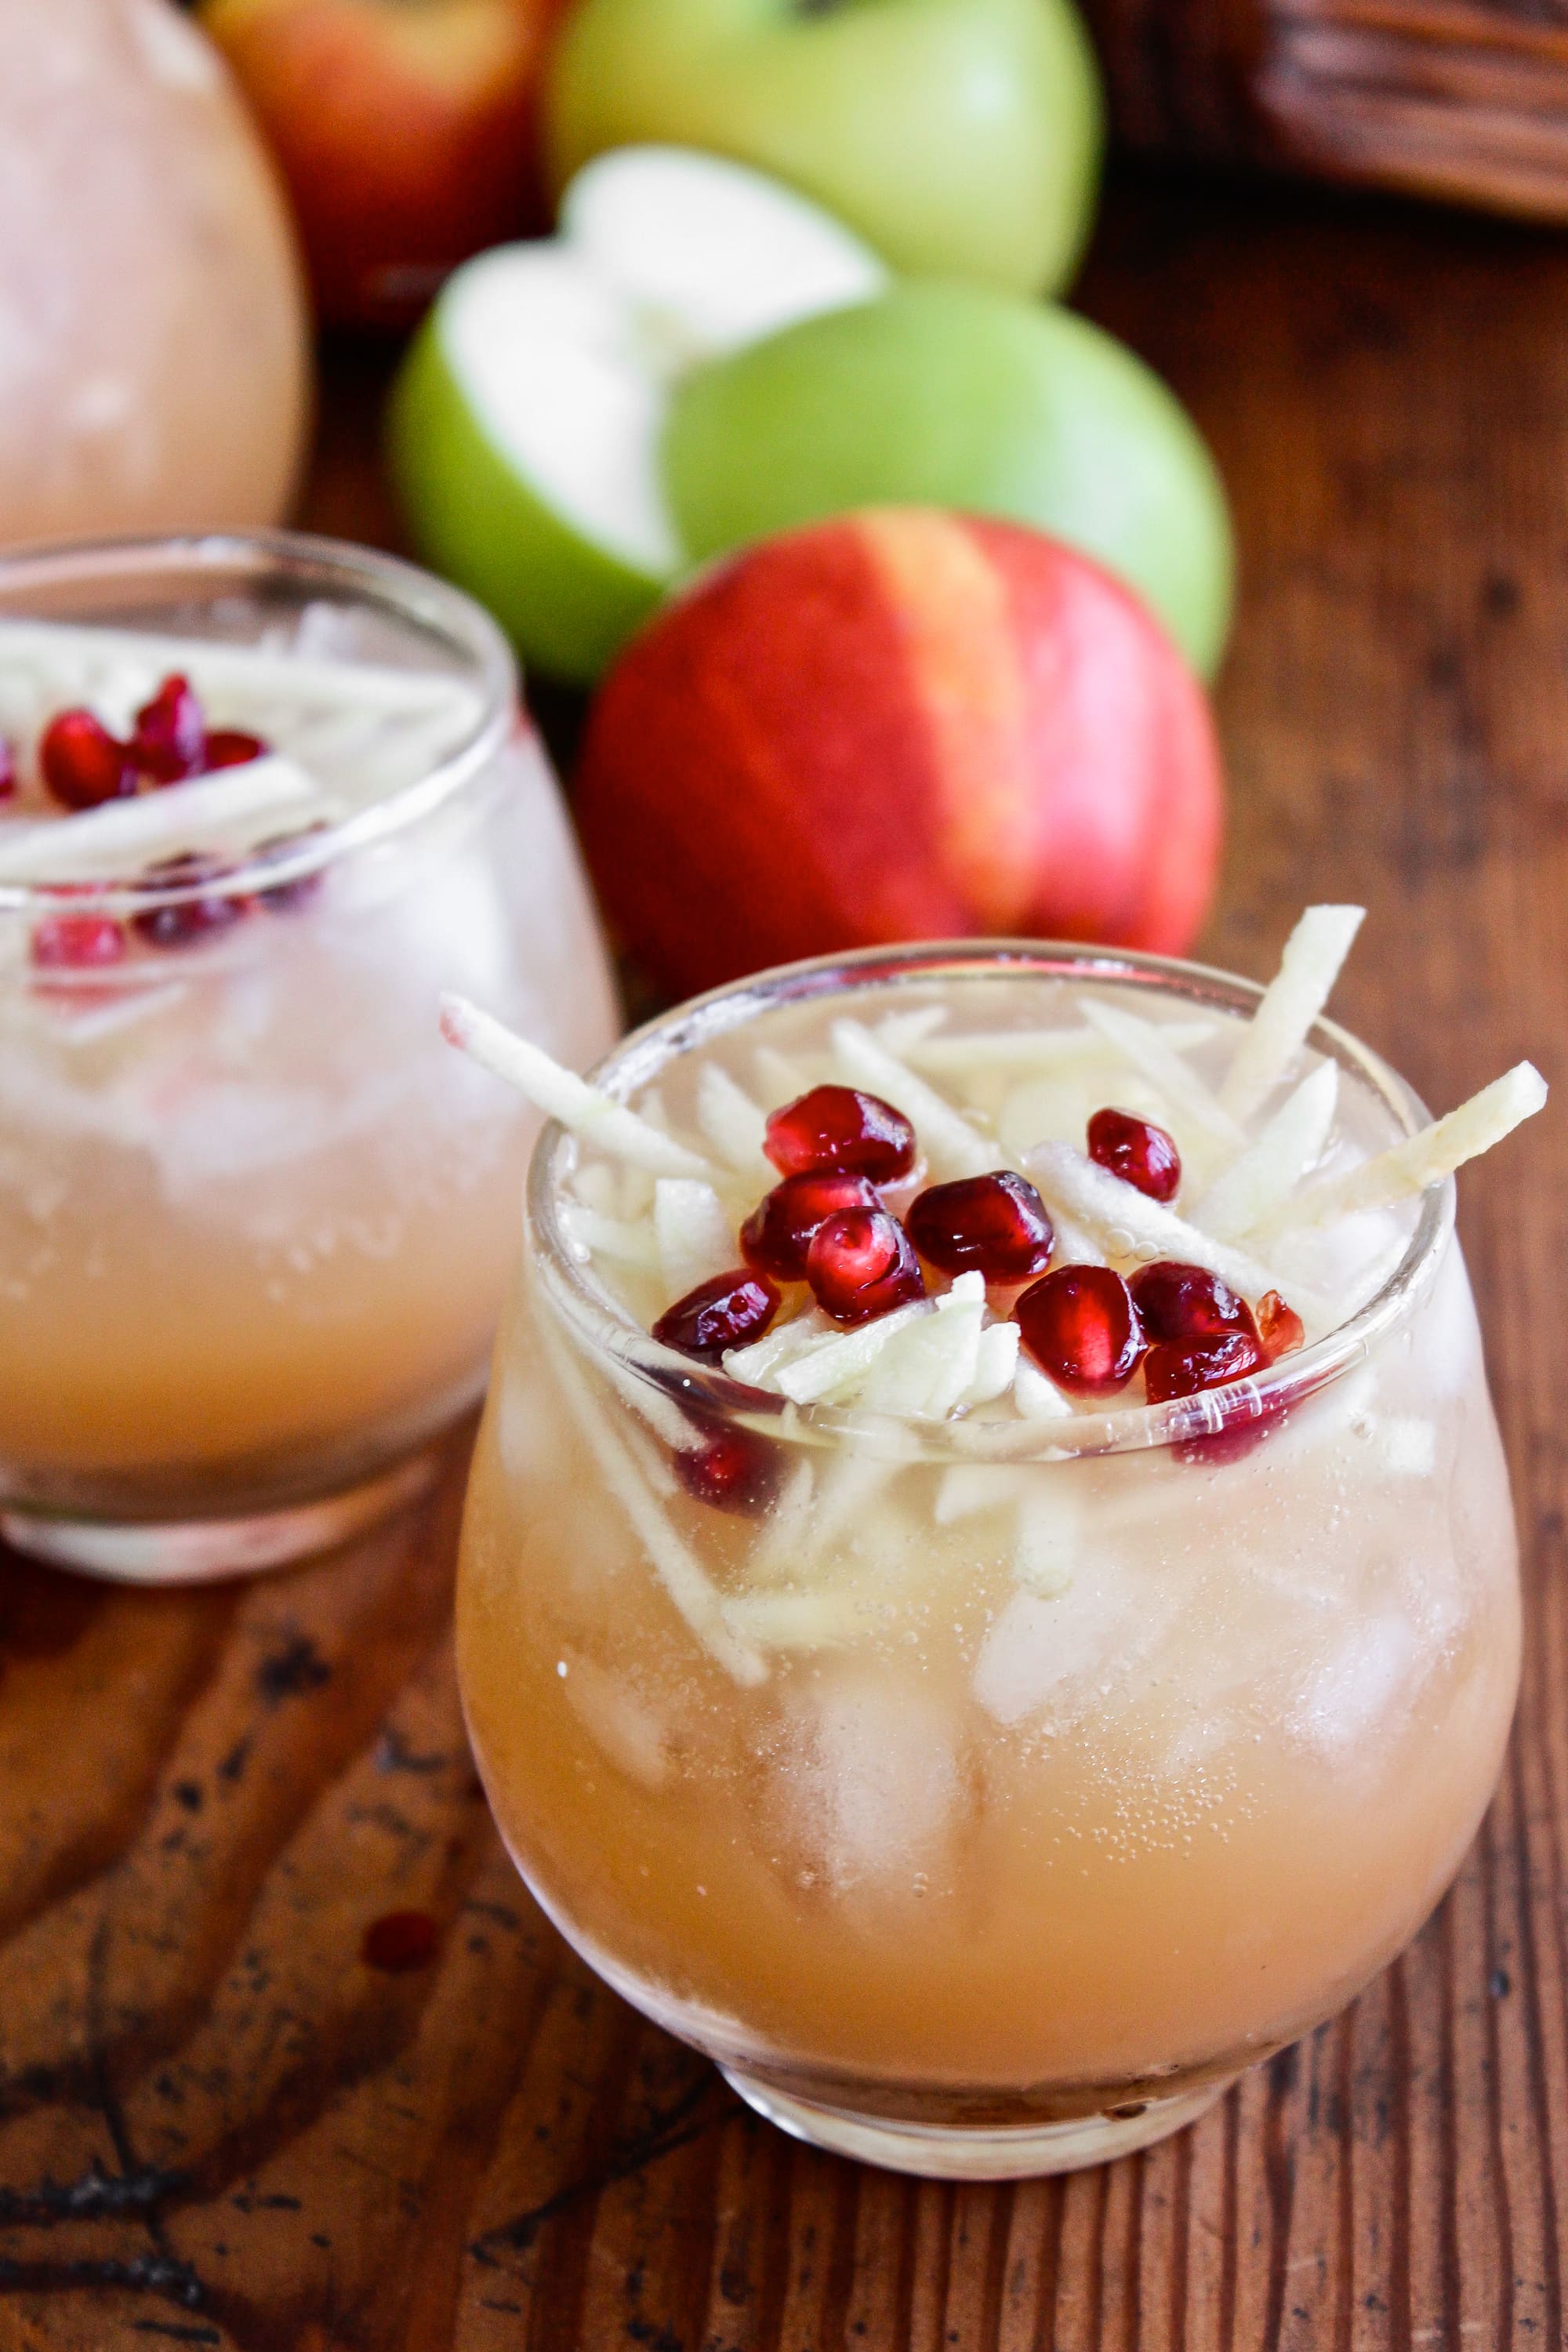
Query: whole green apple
column 960, row 137
column 955, row 396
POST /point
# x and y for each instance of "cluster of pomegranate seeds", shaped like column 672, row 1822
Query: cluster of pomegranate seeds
column 183, row 921
column 827, row 1225
column 83, row 765
column 725, row 1312
column 992, row 1226
column 1137, row 1151
column 732, row 1469
column 861, row 1263
column 780, row 1230
column 1080, row 1326
column 841, row 1130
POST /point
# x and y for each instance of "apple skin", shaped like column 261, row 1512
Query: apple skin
column 566, row 604
column 956, row 396
column 900, row 725
column 409, row 136
column 959, row 137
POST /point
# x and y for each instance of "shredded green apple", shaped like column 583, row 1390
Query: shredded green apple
column 918, row 1255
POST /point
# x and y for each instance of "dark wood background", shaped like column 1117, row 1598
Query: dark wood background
column 227, row 2120
column 1465, row 98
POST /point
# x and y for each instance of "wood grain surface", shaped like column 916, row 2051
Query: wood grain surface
column 226, row 2121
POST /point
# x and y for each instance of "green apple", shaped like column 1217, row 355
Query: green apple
column 946, row 396
column 524, row 425
column 961, row 137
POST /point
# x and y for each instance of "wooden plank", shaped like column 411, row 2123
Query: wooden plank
column 218, row 2126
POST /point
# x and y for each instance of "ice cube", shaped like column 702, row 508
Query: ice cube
column 1057, row 1653
column 867, row 1784
column 1360, row 1678
column 619, row 1720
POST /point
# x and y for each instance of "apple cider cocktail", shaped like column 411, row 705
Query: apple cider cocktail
column 988, row 1598
column 261, row 800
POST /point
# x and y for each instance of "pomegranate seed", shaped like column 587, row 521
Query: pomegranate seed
column 1180, row 1368
column 860, row 1264
column 1137, row 1151
column 1080, row 1326
column 183, row 921
column 230, row 747
column 171, row 737
column 399, row 1941
column 996, row 1225
column 83, row 764
column 8, row 770
column 724, row 1312
column 1280, row 1328
column 77, row 942
column 838, row 1127
column 777, row 1234
column 733, row 1470
column 1187, row 1302
column 286, row 897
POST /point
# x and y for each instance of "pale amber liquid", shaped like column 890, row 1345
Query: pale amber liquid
column 989, row 1845
column 1287, row 1687
column 252, row 1236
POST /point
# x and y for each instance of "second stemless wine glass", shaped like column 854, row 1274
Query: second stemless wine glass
column 983, row 1797
column 253, row 1214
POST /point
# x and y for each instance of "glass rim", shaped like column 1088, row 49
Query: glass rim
column 387, row 580
column 608, row 1331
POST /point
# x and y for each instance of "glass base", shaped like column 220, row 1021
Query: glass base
column 1013, row 2152
column 201, row 1551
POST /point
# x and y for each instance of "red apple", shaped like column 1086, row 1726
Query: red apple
column 405, row 129
column 905, row 724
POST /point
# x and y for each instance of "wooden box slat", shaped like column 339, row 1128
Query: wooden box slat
column 1437, row 97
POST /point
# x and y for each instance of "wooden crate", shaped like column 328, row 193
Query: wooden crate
column 1440, row 98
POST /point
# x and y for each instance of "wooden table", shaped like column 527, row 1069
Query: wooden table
column 220, row 2126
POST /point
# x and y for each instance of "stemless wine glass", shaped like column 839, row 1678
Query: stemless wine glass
column 983, row 1796
column 254, row 1216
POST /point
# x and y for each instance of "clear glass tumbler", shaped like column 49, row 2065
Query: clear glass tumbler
column 983, row 1796
column 254, row 1214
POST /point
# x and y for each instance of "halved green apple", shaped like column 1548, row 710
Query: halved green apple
column 525, row 425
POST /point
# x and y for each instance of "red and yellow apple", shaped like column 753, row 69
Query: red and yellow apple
column 903, row 724
column 407, row 133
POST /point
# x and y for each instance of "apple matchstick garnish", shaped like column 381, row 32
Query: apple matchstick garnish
column 230, row 811
column 524, row 428
column 960, row 396
column 409, row 136
column 817, row 1293
column 902, row 725
column 961, row 137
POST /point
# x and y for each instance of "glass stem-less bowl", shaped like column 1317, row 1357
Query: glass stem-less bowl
column 253, row 1213
column 983, row 1795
